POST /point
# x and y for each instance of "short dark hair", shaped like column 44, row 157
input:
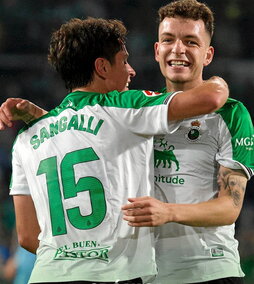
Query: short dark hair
column 75, row 46
column 189, row 9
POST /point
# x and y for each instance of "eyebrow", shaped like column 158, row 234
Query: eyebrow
column 125, row 49
column 186, row 36
column 167, row 34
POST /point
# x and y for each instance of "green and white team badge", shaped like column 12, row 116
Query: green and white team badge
column 194, row 133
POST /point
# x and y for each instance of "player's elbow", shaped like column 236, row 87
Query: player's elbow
column 231, row 218
column 218, row 97
column 229, row 221
column 26, row 242
column 23, row 240
column 217, row 101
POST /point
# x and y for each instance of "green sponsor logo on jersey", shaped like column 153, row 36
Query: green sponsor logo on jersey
column 239, row 124
column 77, row 251
column 170, row 180
column 247, row 142
column 76, row 122
column 165, row 157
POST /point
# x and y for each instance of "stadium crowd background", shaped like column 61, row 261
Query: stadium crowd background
column 25, row 29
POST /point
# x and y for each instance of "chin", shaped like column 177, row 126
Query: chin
column 179, row 77
column 177, row 80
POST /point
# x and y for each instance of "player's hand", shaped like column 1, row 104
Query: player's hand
column 146, row 212
column 18, row 109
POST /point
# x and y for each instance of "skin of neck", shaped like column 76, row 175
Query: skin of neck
column 175, row 86
column 98, row 85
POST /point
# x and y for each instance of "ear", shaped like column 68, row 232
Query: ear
column 156, row 51
column 209, row 56
column 102, row 67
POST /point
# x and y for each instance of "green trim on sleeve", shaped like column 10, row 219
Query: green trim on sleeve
column 129, row 99
column 238, row 121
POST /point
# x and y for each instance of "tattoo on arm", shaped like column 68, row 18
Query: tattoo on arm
column 233, row 183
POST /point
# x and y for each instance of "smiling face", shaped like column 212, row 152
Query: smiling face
column 182, row 51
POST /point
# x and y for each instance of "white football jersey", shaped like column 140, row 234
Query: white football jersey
column 186, row 167
column 80, row 163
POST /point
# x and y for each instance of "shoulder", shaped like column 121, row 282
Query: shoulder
column 28, row 126
column 238, row 121
column 232, row 105
column 234, row 110
column 136, row 98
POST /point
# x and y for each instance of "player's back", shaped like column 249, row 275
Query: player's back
column 81, row 164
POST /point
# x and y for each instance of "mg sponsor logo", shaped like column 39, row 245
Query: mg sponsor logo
column 244, row 141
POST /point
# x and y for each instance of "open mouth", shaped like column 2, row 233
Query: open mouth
column 178, row 63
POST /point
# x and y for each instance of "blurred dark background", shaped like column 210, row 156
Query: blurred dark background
column 25, row 29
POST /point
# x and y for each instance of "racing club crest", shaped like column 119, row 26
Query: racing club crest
column 193, row 133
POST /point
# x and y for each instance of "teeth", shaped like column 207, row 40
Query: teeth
column 178, row 63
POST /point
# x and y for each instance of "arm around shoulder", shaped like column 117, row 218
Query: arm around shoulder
column 206, row 98
column 18, row 109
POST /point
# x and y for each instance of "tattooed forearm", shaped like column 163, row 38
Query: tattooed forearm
column 235, row 189
column 232, row 183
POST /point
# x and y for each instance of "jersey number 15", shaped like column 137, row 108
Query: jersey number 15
column 70, row 189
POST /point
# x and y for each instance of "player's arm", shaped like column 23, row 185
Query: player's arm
column 220, row 211
column 206, row 98
column 18, row 109
column 26, row 222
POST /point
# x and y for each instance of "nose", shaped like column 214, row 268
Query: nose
column 131, row 71
column 178, row 47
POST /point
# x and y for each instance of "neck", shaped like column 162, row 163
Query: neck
column 93, row 87
column 175, row 86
